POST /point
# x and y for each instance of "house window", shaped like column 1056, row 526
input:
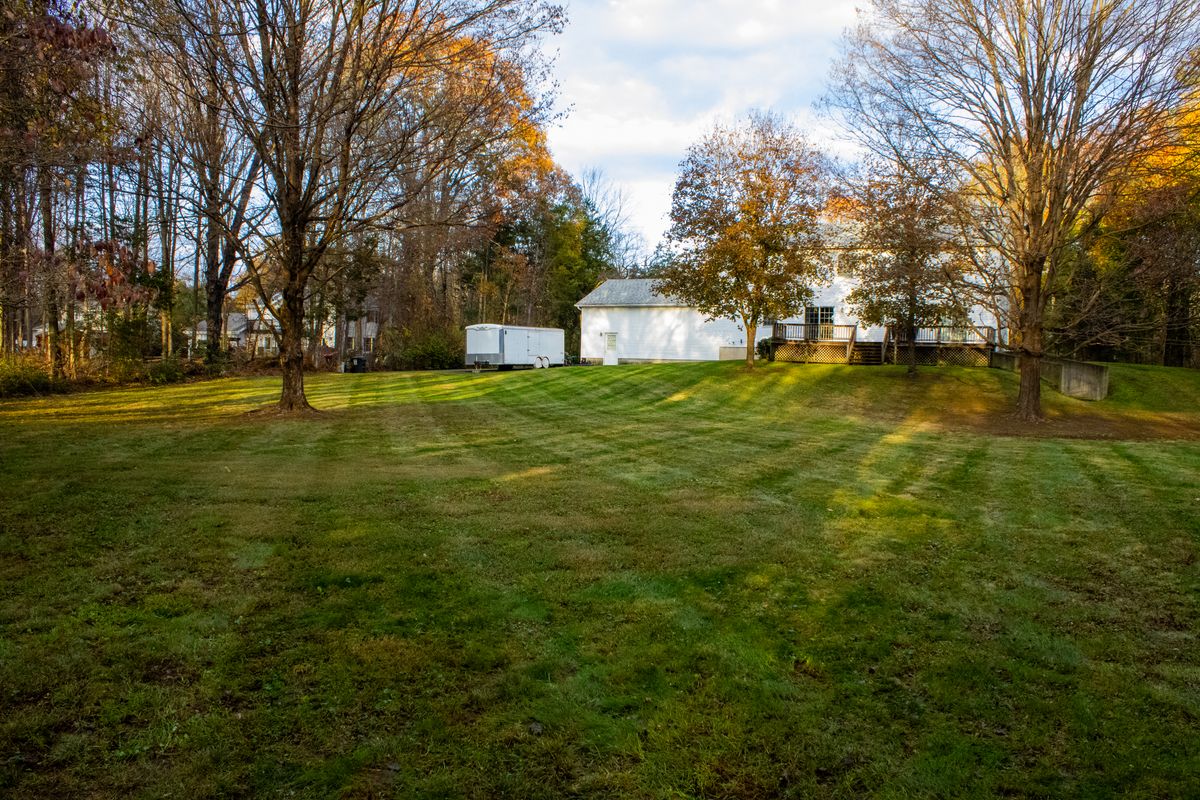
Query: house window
column 819, row 322
column 818, row 315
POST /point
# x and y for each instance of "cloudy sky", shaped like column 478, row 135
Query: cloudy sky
column 640, row 80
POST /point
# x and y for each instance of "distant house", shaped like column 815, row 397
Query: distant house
column 360, row 334
column 257, row 330
column 626, row 321
column 251, row 331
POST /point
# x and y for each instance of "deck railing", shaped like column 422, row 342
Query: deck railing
column 813, row 332
column 941, row 334
column 948, row 334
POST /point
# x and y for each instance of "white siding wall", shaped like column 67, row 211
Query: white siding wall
column 835, row 295
column 656, row 333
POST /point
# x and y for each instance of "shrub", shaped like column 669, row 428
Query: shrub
column 168, row 370
column 24, row 375
column 121, row 371
column 765, row 350
column 437, row 349
column 130, row 337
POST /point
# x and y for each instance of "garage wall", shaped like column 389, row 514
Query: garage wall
column 653, row 333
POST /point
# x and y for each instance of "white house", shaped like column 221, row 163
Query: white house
column 625, row 320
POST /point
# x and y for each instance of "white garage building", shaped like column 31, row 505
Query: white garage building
column 626, row 320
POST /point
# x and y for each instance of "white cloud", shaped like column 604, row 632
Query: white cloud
column 644, row 78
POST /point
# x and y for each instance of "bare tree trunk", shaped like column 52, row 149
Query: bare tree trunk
column 1029, row 398
column 291, row 354
column 21, row 236
column 73, row 353
column 1177, row 349
column 911, row 325
column 195, row 301
column 751, row 342
column 53, row 333
column 911, row 328
column 214, row 290
column 164, row 316
column 8, row 316
column 167, row 201
column 340, row 322
column 215, row 306
column 316, row 326
column 1030, row 320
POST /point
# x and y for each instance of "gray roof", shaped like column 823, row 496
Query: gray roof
column 628, row 292
column 235, row 324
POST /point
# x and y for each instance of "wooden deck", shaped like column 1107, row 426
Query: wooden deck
column 961, row 346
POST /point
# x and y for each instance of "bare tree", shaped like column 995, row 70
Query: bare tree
column 1041, row 106
column 745, row 234
column 349, row 106
column 609, row 204
column 223, row 170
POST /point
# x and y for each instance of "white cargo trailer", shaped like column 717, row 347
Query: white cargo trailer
column 508, row 346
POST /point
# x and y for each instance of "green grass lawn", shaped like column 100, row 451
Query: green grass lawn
column 662, row 582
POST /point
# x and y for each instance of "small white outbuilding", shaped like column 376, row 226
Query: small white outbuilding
column 625, row 320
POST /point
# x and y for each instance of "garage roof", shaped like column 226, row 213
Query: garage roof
column 628, row 292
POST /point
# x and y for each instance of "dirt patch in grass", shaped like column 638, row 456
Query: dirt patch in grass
column 958, row 400
column 275, row 412
column 999, row 421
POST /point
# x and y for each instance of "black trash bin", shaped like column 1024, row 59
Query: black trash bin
column 355, row 364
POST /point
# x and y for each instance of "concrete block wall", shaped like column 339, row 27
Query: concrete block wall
column 1072, row 378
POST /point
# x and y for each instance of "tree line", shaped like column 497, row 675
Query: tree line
column 327, row 159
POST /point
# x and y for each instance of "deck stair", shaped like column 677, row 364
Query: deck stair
column 867, row 353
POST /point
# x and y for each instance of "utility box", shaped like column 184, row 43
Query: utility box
column 508, row 346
